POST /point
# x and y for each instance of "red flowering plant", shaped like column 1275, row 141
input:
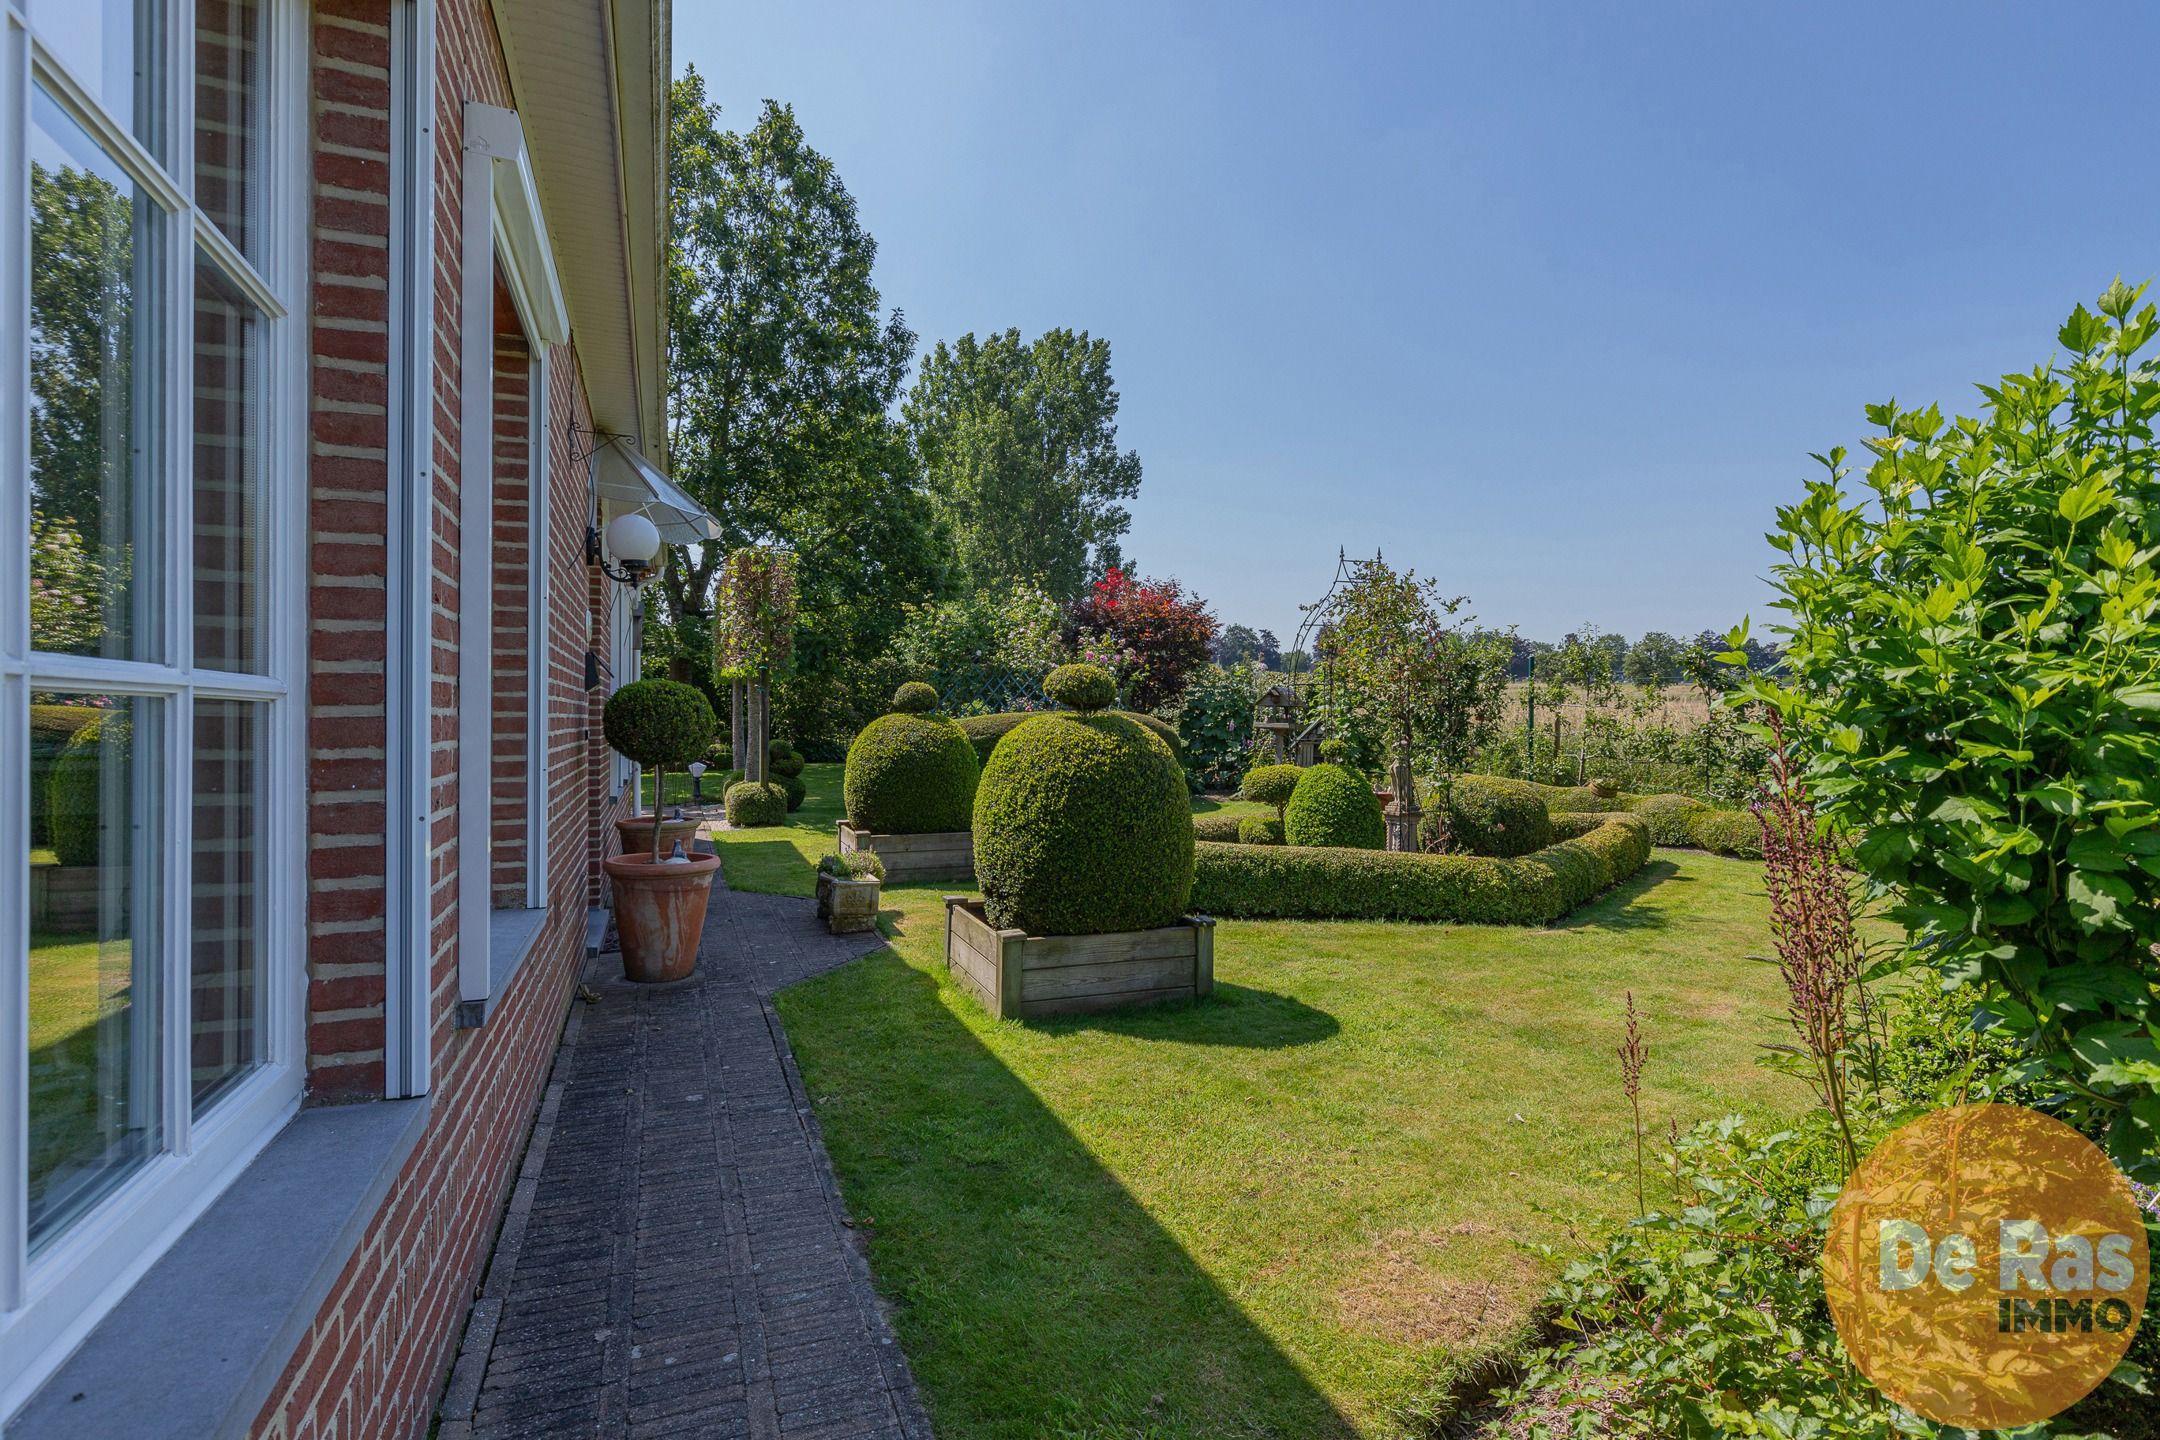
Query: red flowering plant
column 1148, row 633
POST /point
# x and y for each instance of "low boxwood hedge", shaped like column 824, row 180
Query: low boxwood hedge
column 1671, row 817
column 1728, row 832
column 1260, row 830
column 1675, row 820
column 1223, row 829
column 751, row 804
column 1293, row 882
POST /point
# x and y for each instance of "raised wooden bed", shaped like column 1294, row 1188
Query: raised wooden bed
column 940, row 855
column 1015, row 974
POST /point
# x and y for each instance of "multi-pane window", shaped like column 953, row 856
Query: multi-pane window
column 146, row 630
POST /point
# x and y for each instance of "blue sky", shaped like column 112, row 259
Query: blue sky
column 1547, row 301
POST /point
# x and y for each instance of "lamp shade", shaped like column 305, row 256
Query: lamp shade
column 633, row 539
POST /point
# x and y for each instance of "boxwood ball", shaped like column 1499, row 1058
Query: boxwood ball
column 1334, row 806
column 1082, row 827
column 910, row 774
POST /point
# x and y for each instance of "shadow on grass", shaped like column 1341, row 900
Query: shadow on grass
column 1621, row 907
column 1033, row 1293
column 1235, row 1015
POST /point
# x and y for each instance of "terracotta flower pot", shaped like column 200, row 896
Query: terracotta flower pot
column 660, row 911
column 636, row 833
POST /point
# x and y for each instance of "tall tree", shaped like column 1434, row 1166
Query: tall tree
column 1654, row 659
column 1018, row 443
column 783, row 368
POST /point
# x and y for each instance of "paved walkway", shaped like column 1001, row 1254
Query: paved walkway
column 673, row 1261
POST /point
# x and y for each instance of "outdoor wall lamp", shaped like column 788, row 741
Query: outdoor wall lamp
column 632, row 539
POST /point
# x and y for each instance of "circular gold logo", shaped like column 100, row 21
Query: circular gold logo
column 1986, row 1266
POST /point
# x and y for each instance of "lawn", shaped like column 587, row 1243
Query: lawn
column 1305, row 1207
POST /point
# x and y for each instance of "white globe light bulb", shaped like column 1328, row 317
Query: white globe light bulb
column 633, row 539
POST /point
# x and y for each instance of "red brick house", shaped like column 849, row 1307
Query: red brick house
column 328, row 335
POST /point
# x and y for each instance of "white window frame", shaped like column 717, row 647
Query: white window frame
column 499, row 215
column 49, row 1301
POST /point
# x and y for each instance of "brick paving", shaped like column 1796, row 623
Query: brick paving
column 673, row 1261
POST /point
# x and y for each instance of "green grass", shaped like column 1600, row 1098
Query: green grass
column 74, row 982
column 680, row 788
column 1301, row 1208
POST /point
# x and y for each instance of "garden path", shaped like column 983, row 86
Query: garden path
column 675, row 1259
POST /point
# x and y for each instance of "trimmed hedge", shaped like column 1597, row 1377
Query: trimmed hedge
column 1333, row 806
column 1728, row 832
column 750, row 805
column 1490, row 816
column 910, row 775
column 1675, row 820
column 984, row 731
column 1082, row 827
column 1222, row 829
column 1260, row 830
column 784, row 760
column 797, row 792
column 72, row 788
column 51, row 728
column 1575, row 826
column 1671, row 817
column 1577, row 799
column 1290, row 882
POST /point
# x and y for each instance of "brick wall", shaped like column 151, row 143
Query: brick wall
column 375, row 1357
column 511, row 670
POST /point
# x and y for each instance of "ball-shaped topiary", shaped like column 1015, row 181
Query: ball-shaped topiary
column 796, row 791
column 915, row 698
column 751, row 804
column 910, row 775
column 1081, row 687
column 1487, row 815
column 1082, row 827
column 1260, row 830
column 984, row 731
column 659, row 723
column 1334, row 806
column 784, row 760
column 1270, row 785
column 73, row 814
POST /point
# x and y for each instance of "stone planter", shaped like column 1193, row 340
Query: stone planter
column 636, row 834
column 847, row 906
column 660, row 912
column 941, row 855
column 1015, row 974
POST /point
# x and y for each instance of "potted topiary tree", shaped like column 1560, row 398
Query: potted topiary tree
column 1084, row 850
column 910, row 791
column 660, row 899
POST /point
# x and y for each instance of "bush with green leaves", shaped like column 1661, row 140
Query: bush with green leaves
column 1260, row 830
column 659, row 724
column 1485, row 815
column 910, row 774
column 1672, row 817
column 751, row 804
column 984, row 731
column 855, row 865
column 1082, row 827
column 51, row 728
column 1293, row 882
column 74, row 813
column 719, row 755
column 1270, row 785
column 1334, row 806
column 784, row 760
column 915, row 698
column 1215, row 724
column 1081, row 686
column 797, row 792
column 1974, row 654
column 1218, row 827
column 1727, row 832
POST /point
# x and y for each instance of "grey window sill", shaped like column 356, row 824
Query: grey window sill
column 512, row 934
column 197, row 1345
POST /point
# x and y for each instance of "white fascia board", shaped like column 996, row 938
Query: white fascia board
column 520, row 232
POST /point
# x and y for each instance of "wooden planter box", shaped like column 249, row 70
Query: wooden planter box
column 66, row 898
column 1015, row 974
column 940, row 855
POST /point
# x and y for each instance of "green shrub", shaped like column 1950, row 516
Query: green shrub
column 1081, row 687
column 1577, row 799
column 1223, row 829
column 1082, row 827
column 1490, row 816
column 855, row 865
column 1260, row 830
column 1671, row 817
column 1574, row 826
column 797, row 792
column 750, row 804
column 660, row 724
column 1270, row 785
column 72, row 789
column 784, row 760
column 910, row 774
column 720, row 755
column 1309, row 883
column 51, row 727
column 1728, row 832
column 1334, row 806
column 1335, row 752
column 915, row 698
column 984, row 731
